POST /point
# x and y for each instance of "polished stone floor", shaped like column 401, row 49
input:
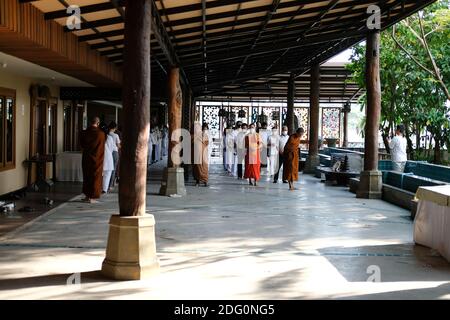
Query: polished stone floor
column 232, row 241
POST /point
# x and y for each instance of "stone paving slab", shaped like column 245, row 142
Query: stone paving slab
column 232, row 241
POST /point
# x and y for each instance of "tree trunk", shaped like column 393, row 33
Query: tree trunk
column 409, row 141
column 417, row 139
column 385, row 134
column 437, row 151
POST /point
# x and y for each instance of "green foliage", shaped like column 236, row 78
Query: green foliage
column 411, row 91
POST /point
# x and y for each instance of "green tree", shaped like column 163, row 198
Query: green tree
column 415, row 76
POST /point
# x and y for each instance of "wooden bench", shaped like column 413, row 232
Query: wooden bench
column 339, row 177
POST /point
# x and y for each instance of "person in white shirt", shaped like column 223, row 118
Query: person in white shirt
column 154, row 141
column 282, row 142
column 264, row 133
column 398, row 149
column 240, row 149
column 150, row 148
column 165, row 140
column 115, row 153
column 157, row 144
column 229, row 144
column 273, row 146
column 108, row 163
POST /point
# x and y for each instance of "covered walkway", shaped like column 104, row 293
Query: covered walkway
column 231, row 241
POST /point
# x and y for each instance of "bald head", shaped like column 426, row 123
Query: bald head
column 95, row 121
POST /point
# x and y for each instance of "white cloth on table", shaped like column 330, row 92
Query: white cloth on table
column 432, row 221
column 69, row 167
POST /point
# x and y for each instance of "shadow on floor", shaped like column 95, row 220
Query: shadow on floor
column 396, row 263
column 52, row 280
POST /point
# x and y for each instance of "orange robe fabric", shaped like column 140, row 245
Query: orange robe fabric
column 92, row 142
column 200, row 167
column 253, row 145
column 291, row 158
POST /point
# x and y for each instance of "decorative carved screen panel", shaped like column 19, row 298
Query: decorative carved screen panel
column 302, row 115
column 331, row 123
column 210, row 115
column 255, row 113
column 242, row 119
column 269, row 112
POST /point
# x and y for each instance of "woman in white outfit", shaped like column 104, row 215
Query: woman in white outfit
column 273, row 145
column 108, row 162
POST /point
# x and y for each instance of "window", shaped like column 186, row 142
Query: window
column 7, row 129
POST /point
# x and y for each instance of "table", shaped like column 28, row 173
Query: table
column 432, row 222
column 41, row 182
column 68, row 167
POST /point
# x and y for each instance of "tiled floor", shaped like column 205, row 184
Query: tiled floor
column 60, row 192
column 233, row 241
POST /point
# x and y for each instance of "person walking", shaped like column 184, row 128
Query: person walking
column 264, row 133
column 115, row 152
column 282, row 143
column 291, row 158
column 92, row 142
column 240, row 150
column 273, row 145
column 253, row 145
column 201, row 142
column 108, row 163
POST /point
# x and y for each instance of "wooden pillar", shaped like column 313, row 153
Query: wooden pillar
column 313, row 159
column 373, row 109
column 136, row 104
column 131, row 249
column 345, row 140
column 173, row 177
column 290, row 104
column 175, row 111
column 370, row 185
column 314, row 111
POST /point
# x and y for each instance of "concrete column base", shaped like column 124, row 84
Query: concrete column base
column 370, row 185
column 173, row 182
column 311, row 163
column 131, row 250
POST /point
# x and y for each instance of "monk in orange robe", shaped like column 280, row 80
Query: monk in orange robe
column 291, row 158
column 201, row 161
column 253, row 145
column 92, row 142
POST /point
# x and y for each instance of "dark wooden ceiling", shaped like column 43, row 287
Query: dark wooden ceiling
column 222, row 47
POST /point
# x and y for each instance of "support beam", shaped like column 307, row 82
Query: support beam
column 290, row 104
column 313, row 159
column 370, row 183
column 173, row 178
column 345, row 139
column 131, row 249
column 160, row 33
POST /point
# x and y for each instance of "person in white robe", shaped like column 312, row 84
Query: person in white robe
column 108, row 163
column 273, row 147
column 264, row 133
column 229, row 142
